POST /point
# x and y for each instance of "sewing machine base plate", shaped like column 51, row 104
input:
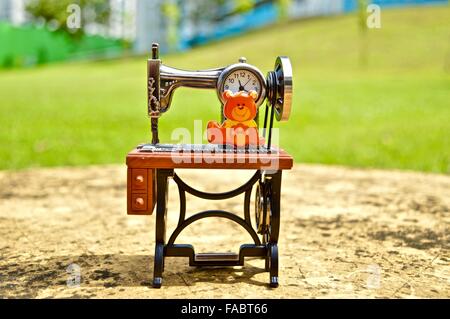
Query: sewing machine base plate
column 203, row 148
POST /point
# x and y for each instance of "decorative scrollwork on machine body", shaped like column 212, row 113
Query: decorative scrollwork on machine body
column 153, row 102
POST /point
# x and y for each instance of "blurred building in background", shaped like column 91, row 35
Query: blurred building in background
column 13, row 11
column 132, row 25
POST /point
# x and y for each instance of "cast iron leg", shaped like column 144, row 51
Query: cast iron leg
column 275, row 227
column 267, row 258
column 273, row 251
column 162, row 176
column 158, row 267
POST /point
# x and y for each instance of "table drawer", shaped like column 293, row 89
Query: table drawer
column 141, row 191
column 139, row 202
column 139, row 179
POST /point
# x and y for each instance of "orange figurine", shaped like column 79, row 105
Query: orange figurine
column 239, row 128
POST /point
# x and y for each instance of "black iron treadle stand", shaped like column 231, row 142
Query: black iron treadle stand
column 269, row 183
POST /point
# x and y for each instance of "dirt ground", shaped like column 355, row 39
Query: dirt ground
column 344, row 233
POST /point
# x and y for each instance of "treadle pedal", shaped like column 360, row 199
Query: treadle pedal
column 216, row 257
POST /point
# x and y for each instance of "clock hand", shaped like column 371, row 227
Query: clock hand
column 241, row 87
column 246, row 82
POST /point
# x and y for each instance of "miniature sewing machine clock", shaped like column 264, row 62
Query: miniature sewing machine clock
column 236, row 142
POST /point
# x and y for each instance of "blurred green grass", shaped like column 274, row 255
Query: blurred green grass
column 394, row 113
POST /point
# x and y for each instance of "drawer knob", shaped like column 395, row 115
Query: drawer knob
column 140, row 201
column 140, row 178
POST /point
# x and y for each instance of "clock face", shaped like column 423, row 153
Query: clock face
column 242, row 80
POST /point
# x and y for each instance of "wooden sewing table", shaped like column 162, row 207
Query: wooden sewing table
column 148, row 173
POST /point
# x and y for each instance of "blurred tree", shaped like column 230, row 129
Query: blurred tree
column 283, row 8
column 172, row 13
column 54, row 13
column 199, row 13
column 362, row 24
column 243, row 5
column 206, row 10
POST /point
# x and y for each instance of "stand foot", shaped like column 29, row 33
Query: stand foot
column 157, row 281
column 274, row 282
column 273, row 251
column 159, row 265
